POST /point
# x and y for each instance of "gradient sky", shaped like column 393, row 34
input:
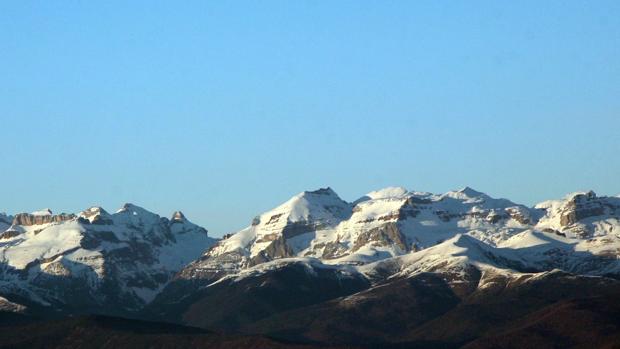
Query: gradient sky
column 226, row 109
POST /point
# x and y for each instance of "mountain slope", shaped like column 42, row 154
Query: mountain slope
column 110, row 332
column 440, row 309
column 598, row 327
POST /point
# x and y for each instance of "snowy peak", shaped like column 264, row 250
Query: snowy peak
column 179, row 224
column 466, row 194
column 389, row 204
column 578, row 213
column 389, row 192
column 322, row 191
column 43, row 212
column 305, row 212
column 132, row 209
column 282, row 232
column 96, row 215
column 131, row 214
column 470, row 196
column 458, row 252
column 321, row 204
column 121, row 259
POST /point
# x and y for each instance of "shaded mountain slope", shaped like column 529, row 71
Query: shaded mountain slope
column 109, row 332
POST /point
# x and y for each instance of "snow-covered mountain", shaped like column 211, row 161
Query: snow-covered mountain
column 394, row 222
column 134, row 260
column 465, row 241
column 94, row 261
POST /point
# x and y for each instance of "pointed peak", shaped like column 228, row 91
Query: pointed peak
column 95, row 210
column 471, row 192
column 137, row 211
column 134, row 215
column 466, row 193
column 178, row 216
column 96, row 214
column 131, row 208
column 127, row 206
column 318, row 204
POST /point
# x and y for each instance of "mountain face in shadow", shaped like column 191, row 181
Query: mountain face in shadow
column 111, row 332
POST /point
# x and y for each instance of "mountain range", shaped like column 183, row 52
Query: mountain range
column 394, row 268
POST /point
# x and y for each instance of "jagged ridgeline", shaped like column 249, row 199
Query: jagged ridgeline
column 318, row 256
column 95, row 261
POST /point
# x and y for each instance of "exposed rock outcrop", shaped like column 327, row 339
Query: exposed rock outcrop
column 385, row 235
column 28, row 219
column 581, row 206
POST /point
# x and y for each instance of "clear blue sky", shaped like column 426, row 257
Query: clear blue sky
column 226, row 109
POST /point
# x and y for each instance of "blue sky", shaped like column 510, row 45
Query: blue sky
column 226, row 109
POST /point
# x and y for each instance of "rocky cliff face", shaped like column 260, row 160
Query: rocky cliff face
column 27, row 219
column 580, row 215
